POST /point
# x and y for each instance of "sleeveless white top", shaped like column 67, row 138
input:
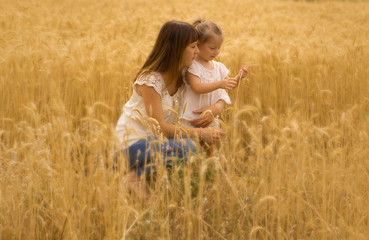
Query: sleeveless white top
column 194, row 101
column 134, row 123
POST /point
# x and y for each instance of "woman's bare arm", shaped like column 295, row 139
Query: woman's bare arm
column 152, row 102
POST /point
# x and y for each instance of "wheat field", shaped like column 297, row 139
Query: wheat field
column 294, row 163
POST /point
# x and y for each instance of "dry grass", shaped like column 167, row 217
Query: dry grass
column 294, row 164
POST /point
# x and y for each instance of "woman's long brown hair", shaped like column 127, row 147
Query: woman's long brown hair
column 167, row 53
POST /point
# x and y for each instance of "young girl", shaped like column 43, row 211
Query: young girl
column 207, row 79
column 156, row 91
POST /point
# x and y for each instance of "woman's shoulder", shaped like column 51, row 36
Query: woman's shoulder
column 151, row 79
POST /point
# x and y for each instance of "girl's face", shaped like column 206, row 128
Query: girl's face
column 189, row 54
column 211, row 48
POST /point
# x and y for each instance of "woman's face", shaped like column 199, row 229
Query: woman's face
column 189, row 54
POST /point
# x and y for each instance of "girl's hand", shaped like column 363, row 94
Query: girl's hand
column 229, row 83
column 211, row 135
column 243, row 72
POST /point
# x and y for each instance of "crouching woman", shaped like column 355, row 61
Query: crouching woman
column 149, row 112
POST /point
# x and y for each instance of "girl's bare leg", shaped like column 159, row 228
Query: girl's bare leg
column 136, row 185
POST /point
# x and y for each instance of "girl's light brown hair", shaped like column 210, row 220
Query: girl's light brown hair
column 207, row 29
column 167, row 52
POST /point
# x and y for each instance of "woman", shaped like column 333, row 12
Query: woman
column 149, row 112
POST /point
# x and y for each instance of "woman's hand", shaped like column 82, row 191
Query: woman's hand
column 206, row 117
column 207, row 114
column 211, row 135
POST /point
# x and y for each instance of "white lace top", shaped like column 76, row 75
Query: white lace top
column 134, row 123
column 194, row 101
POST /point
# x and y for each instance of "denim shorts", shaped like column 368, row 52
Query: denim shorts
column 145, row 154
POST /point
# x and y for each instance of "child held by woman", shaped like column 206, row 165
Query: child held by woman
column 207, row 79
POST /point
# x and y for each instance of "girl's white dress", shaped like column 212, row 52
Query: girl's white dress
column 194, row 101
column 134, row 123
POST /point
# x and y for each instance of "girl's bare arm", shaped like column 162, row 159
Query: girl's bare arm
column 201, row 88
